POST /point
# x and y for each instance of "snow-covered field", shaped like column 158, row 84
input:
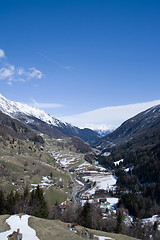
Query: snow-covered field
column 15, row 222
column 103, row 181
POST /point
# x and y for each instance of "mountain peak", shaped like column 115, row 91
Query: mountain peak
column 14, row 108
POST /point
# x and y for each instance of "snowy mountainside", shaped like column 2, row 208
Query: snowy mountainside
column 41, row 121
column 14, row 109
column 102, row 132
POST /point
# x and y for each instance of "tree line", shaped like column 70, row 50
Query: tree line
column 32, row 203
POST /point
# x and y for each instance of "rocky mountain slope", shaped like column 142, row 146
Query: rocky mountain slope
column 39, row 120
column 10, row 127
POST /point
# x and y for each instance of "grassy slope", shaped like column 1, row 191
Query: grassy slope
column 57, row 230
column 24, row 163
column 3, row 226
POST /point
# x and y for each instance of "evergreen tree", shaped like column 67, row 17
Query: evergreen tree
column 85, row 216
column 2, row 203
column 119, row 222
column 10, row 203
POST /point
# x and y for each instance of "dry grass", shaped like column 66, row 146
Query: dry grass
column 57, row 230
column 3, row 226
column 50, row 229
column 113, row 235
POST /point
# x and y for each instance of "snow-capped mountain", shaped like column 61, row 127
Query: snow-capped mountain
column 43, row 122
column 15, row 109
column 103, row 132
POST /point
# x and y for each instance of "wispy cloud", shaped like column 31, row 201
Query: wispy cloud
column 108, row 117
column 7, row 72
column 2, row 54
column 10, row 73
column 45, row 105
column 55, row 62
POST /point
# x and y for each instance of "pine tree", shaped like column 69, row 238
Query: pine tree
column 119, row 222
column 10, row 203
column 85, row 216
column 38, row 203
column 2, row 203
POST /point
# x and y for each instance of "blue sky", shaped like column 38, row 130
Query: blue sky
column 70, row 57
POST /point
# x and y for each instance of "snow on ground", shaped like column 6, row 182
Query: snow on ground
column 89, row 201
column 103, row 181
column 45, row 183
column 96, row 163
column 16, row 223
column 83, row 166
column 112, row 201
column 106, row 154
column 103, row 238
column 79, row 182
column 66, row 158
column 152, row 220
column 67, row 161
column 118, row 162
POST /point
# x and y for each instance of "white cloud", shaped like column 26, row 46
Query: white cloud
column 45, row 105
column 108, row 117
column 20, row 71
column 7, row 72
column 11, row 74
column 34, row 73
column 2, row 54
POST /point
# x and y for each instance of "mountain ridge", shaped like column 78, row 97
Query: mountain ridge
column 43, row 122
column 136, row 125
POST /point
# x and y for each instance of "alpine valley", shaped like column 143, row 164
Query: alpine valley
column 88, row 186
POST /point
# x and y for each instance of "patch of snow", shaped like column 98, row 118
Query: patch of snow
column 151, row 220
column 45, row 183
column 103, row 238
column 15, row 223
column 79, row 182
column 112, row 201
column 106, row 154
column 118, row 162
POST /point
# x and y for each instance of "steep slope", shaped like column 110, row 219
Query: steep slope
column 137, row 142
column 57, row 230
column 39, row 120
column 16, row 129
column 144, row 123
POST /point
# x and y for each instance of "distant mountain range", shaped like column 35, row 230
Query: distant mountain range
column 102, row 132
column 39, row 120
